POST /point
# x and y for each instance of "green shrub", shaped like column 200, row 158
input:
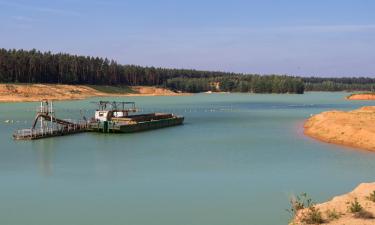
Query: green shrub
column 333, row 215
column 312, row 216
column 371, row 197
column 355, row 207
column 299, row 202
column 358, row 211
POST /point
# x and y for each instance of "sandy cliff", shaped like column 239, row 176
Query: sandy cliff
column 365, row 96
column 355, row 128
column 340, row 207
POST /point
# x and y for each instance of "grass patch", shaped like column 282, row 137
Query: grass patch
column 118, row 89
column 312, row 216
column 333, row 214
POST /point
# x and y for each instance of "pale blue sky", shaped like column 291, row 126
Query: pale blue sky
column 297, row 37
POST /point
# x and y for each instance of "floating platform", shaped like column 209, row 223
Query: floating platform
column 111, row 117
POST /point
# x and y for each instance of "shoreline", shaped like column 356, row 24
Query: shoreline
column 13, row 93
column 362, row 96
column 352, row 129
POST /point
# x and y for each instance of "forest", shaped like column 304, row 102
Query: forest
column 23, row 66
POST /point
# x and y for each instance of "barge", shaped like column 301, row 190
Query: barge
column 110, row 117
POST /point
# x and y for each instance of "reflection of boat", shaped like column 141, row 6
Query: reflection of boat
column 113, row 117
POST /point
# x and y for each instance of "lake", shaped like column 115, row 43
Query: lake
column 236, row 161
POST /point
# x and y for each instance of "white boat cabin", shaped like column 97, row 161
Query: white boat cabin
column 101, row 116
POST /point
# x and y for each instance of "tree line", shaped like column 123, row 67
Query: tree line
column 22, row 66
column 339, row 84
column 239, row 83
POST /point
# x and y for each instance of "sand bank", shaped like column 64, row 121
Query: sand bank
column 340, row 206
column 363, row 96
column 355, row 128
column 38, row 92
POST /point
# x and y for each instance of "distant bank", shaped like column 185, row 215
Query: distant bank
column 58, row 92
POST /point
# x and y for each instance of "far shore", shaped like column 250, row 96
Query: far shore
column 61, row 92
column 354, row 128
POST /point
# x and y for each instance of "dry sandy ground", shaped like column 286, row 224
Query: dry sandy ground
column 38, row 92
column 361, row 97
column 355, row 128
column 341, row 204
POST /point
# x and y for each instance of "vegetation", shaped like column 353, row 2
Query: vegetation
column 21, row 66
column 239, row 83
column 298, row 203
column 358, row 210
column 312, row 216
column 371, row 197
column 333, row 214
column 118, row 89
column 355, row 207
column 339, row 84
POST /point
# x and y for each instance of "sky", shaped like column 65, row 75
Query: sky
column 294, row 37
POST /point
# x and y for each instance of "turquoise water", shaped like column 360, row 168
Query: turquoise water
column 236, row 161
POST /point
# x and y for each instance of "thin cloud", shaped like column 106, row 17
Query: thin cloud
column 302, row 29
column 328, row 28
column 41, row 9
column 224, row 32
column 23, row 18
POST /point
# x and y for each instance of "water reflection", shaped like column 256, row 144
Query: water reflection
column 44, row 150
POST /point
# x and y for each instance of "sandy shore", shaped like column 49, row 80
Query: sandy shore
column 364, row 96
column 38, row 92
column 355, row 128
column 340, row 205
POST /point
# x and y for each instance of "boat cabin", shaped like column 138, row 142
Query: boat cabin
column 108, row 110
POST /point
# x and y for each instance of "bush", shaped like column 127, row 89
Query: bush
column 333, row 215
column 299, row 202
column 312, row 216
column 358, row 211
column 371, row 197
column 355, row 207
